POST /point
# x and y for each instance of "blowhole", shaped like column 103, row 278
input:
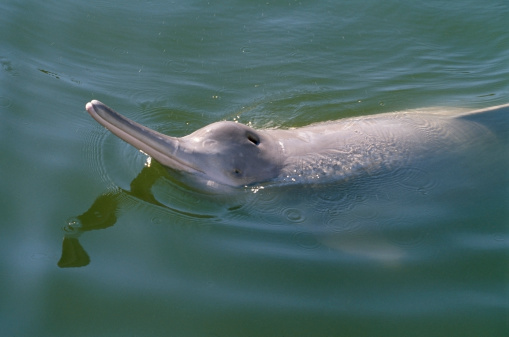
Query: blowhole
column 253, row 138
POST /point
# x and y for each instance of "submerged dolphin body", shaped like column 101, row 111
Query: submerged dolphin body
column 229, row 154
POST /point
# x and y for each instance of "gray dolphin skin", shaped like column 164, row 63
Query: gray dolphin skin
column 229, row 154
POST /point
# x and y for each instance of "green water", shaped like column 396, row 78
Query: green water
column 422, row 256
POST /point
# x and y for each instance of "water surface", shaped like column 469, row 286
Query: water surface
column 419, row 253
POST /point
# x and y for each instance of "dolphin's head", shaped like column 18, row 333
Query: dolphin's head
column 220, row 154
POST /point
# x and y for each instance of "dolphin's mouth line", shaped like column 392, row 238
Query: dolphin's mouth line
column 151, row 142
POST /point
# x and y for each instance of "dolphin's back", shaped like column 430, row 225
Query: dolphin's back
column 495, row 118
column 383, row 143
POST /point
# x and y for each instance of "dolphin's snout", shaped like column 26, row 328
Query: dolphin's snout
column 161, row 147
column 90, row 106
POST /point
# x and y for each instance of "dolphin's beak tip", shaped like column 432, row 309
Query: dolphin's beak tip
column 89, row 106
column 92, row 103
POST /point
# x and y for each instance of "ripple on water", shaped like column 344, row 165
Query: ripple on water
column 188, row 203
column 93, row 153
column 293, row 215
column 333, row 196
column 336, row 224
column 337, row 194
column 177, row 66
column 306, row 240
column 414, row 179
column 269, row 206
column 145, row 96
column 186, row 222
column 114, row 161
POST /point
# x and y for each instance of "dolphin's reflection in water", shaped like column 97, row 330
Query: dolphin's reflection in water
column 103, row 214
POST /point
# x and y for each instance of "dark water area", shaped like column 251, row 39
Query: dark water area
column 96, row 239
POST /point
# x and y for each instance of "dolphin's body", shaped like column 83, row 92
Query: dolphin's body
column 413, row 159
column 229, row 154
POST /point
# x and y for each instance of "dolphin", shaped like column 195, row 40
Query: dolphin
column 410, row 151
column 229, row 155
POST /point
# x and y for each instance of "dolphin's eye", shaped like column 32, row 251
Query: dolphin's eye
column 253, row 138
column 236, row 171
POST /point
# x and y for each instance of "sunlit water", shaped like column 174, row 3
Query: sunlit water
column 420, row 251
